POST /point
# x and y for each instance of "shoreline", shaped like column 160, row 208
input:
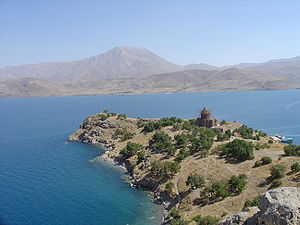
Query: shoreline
column 108, row 129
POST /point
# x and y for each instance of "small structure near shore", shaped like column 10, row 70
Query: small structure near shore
column 205, row 119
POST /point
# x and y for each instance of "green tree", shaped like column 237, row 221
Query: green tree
column 278, row 171
column 238, row 149
column 292, row 150
column 206, row 220
column 295, row 167
column 181, row 140
column 169, row 187
column 195, row 181
column 237, row 183
column 131, row 149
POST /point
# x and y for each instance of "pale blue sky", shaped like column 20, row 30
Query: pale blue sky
column 218, row 32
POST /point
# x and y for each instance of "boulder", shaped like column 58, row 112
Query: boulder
column 239, row 218
column 280, row 206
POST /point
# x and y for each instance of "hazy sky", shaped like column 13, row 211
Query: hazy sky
column 218, row 32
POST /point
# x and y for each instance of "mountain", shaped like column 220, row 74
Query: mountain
column 31, row 87
column 200, row 66
column 117, row 62
column 288, row 68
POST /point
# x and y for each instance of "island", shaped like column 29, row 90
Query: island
column 202, row 170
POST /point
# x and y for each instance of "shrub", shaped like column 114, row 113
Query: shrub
column 162, row 142
column 206, row 220
column 195, row 181
column 295, row 167
column 178, row 221
column 169, row 187
column 220, row 190
column 251, row 203
column 292, row 150
column 123, row 134
column 263, row 161
column 266, row 160
column 238, row 149
column 183, row 153
column 278, row 171
column 161, row 169
column 245, row 132
column 181, row 140
column 174, row 213
column 141, row 155
column 131, row 149
column 276, row 183
column 270, row 141
column 237, row 183
column 121, row 116
column 201, row 145
column 258, row 163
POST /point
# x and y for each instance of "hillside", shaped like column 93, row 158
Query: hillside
column 130, row 70
column 162, row 157
column 31, row 87
column 117, row 62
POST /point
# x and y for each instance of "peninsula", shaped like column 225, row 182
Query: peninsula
column 201, row 169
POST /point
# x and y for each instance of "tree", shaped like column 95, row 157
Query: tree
column 206, row 220
column 295, row 167
column 292, row 150
column 169, row 187
column 238, row 149
column 162, row 142
column 131, row 149
column 178, row 221
column 251, row 203
column 181, row 140
column 195, row 181
column 141, row 155
column 237, row 183
column 278, row 171
column 161, row 169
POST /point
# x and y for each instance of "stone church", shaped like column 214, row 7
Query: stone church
column 205, row 119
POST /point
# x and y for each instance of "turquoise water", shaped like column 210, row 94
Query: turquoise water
column 45, row 180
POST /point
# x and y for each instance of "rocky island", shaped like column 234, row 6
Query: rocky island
column 202, row 170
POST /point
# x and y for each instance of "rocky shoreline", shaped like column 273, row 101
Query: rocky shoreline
column 104, row 129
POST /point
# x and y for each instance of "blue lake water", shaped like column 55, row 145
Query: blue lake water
column 45, row 180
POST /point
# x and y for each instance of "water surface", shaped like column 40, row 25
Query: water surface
column 45, row 180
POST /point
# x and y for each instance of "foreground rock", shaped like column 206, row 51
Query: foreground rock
column 280, row 206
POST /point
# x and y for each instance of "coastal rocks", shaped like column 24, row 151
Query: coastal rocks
column 279, row 206
column 239, row 218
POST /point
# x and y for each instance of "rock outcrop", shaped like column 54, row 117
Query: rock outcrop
column 280, row 206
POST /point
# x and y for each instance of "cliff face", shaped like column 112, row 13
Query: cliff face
column 108, row 130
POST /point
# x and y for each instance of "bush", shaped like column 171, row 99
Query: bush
column 245, row 132
column 295, row 167
column 178, row 221
column 237, row 183
column 270, row 141
column 266, row 160
column 278, row 171
column 181, row 140
column 251, row 203
column 220, row 190
column 169, row 188
column 161, row 169
column 201, row 145
column 292, row 150
column 238, row 149
column 263, row 161
column 195, row 181
column 259, row 146
column 206, row 220
column 123, row 134
column 141, row 155
column 162, row 142
column 276, row 183
column 121, row 116
column 174, row 213
column 183, row 153
column 131, row 149
column 258, row 163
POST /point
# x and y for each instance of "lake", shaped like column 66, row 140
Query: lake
column 46, row 180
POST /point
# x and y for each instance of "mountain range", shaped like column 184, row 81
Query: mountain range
column 129, row 70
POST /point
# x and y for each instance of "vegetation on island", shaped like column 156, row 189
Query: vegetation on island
column 167, row 151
